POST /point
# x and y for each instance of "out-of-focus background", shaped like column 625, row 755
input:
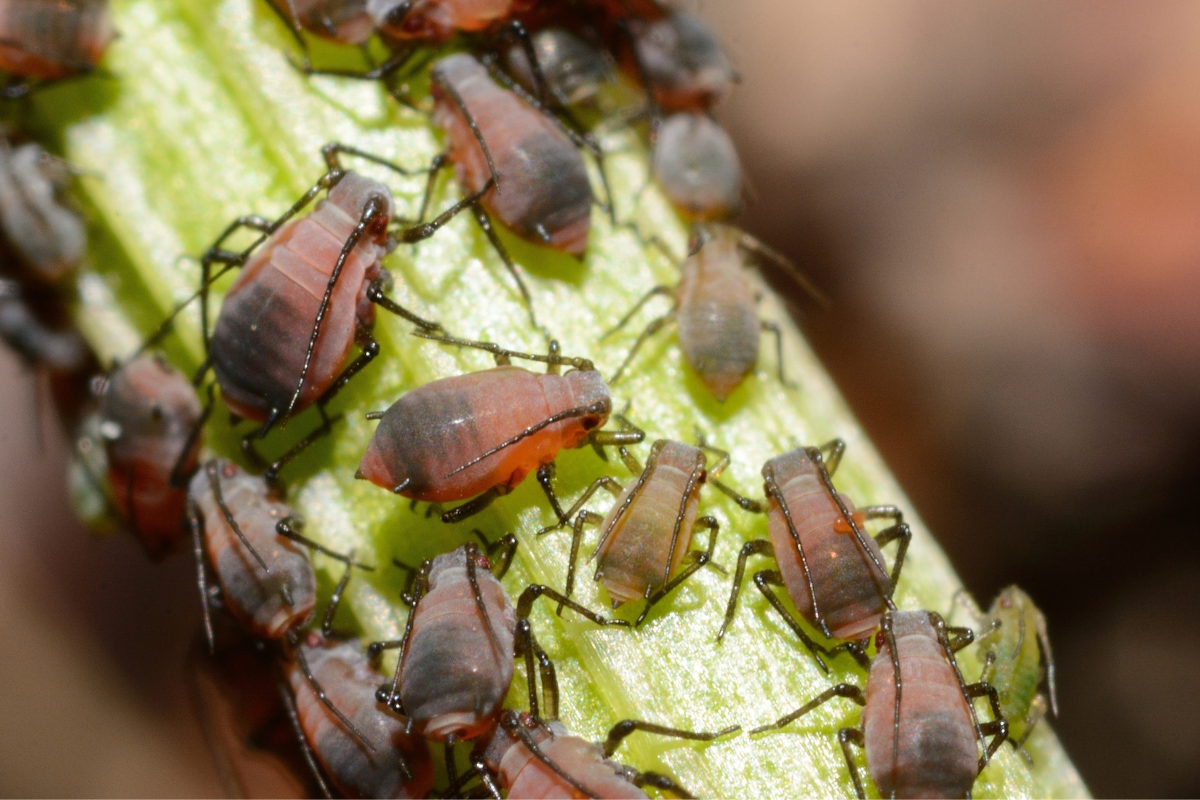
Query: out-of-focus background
column 1003, row 201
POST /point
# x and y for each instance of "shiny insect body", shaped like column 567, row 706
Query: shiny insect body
column 919, row 726
column 697, row 166
column 306, row 294
column 48, row 237
column 397, row 765
column 1015, row 653
column 150, row 422
column 527, row 757
column 573, row 69
column 43, row 41
column 457, row 650
column 679, row 61
column 832, row 570
column 478, row 435
column 646, row 537
column 715, row 309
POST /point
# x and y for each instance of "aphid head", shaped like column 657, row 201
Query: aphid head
column 357, row 194
column 590, row 391
column 404, row 19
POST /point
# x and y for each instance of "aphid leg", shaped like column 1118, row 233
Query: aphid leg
column 766, row 579
column 302, row 662
column 662, row 783
column 549, row 679
column 451, row 761
column 582, row 518
column 847, row 737
column 654, row 111
column 332, row 150
column 271, row 475
column 654, row 327
column 511, row 722
column 178, row 479
column 773, row 492
column 375, row 293
column 847, row 690
column 474, row 506
column 962, row 638
column 479, row 764
column 997, row 727
column 629, row 434
column 290, row 527
column 958, row 638
column 389, row 695
column 618, row 732
column 545, row 479
column 472, row 552
column 536, row 590
column 1037, row 711
column 757, row 547
column 899, row 530
column 989, row 667
column 525, row 647
column 745, row 503
column 506, row 546
column 291, row 18
column 1048, row 660
column 607, row 483
column 540, row 84
column 963, row 599
column 503, row 355
column 774, row 329
column 485, row 224
column 289, row 705
column 391, row 66
column 753, row 245
column 335, row 600
column 456, row 98
column 832, row 452
column 699, row 559
column 197, row 526
column 668, row 291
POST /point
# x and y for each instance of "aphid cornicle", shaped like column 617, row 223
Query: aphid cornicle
column 286, row 327
column 1014, row 649
column 150, row 420
column 529, row 758
column 697, row 166
column 647, row 535
column 832, row 570
column 715, row 307
column 919, row 726
column 50, row 40
column 456, row 654
column 478, row 435
column 398, row 765
column 47, row 237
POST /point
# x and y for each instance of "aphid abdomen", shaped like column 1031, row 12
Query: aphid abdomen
column 684, row 63
column 697, row 166
column 1017, row 668
column 455, row 676
column 346, row 677
column 252, row 595
column 543, row 183
column 526, row 776
column 719, row 329
column 262, row 333
column 937, row 756
column 344, row 21
column 573, row 67
column 634, row 559
column 848, row 585
column 147, row 411
column 437, row 428
column 47, row 236
column 51, row 39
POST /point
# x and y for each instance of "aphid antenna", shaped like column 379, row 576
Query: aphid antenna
column 214, row 483
column 774, row 492
column 289, row 705
column 197, row 526
column 389, row 694
column 349, row 726
column 335, row 600
column 504, row 356
column 178, row 480
column 332, row 150
column 628, row 726
column 472, row 553
column 511, row 722
column 456, row 98
column 758, row 248
column 998, row 726
column 290, row 527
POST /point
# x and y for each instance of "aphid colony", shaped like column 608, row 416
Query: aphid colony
column 510, row 106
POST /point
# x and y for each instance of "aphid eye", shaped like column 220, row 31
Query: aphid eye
column 590, row 422
column 1005, row 602
column 156, row 412
column 879, row 639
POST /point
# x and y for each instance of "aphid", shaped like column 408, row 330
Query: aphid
column 529, row 758
column 42, row 41
column 697, row 167
column 1016, row 656
column 833, row 571
column 150, row 421
column 647, row 535
column 456, row 654
column 680, row 62
column 919, row 726
column 715, row 307
column 47, row 237
column 38, row 345
column 286, row 327
column 398, row 765
column 438, row 21
column 573, row 69
column 527, row 168
column 343, row 21
column 478, row 435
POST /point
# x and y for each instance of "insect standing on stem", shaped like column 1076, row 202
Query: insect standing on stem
column 47, row 41
column 715, row 308
column 647, row 535
column 1014, row 650
column 478, row 435
column 919, row 725
column 832, row 570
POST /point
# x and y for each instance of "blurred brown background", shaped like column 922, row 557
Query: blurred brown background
column 1003, row 199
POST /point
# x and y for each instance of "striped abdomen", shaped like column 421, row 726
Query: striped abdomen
column 850, row 588
column 252, row 595
column 635, row 558
column 937, row 756
column 346, row 677
column 718, row 322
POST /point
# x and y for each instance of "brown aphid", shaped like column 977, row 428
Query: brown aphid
column 343, row 21
column 150, row 421
column 647, row 535
column 438, row 21
column 919, row 726
column 697, row 166
column 573, row 69
column 305, row 296
column 531, row 174
column 48, row 237
column 397, row 765
column 832, row 570
column 715, row 307
column 462, row 634
column 50, row 40
column 680, row 62
column 529, row 758
column 478, row 435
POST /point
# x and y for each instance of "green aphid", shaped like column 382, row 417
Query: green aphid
column 1015, row 653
